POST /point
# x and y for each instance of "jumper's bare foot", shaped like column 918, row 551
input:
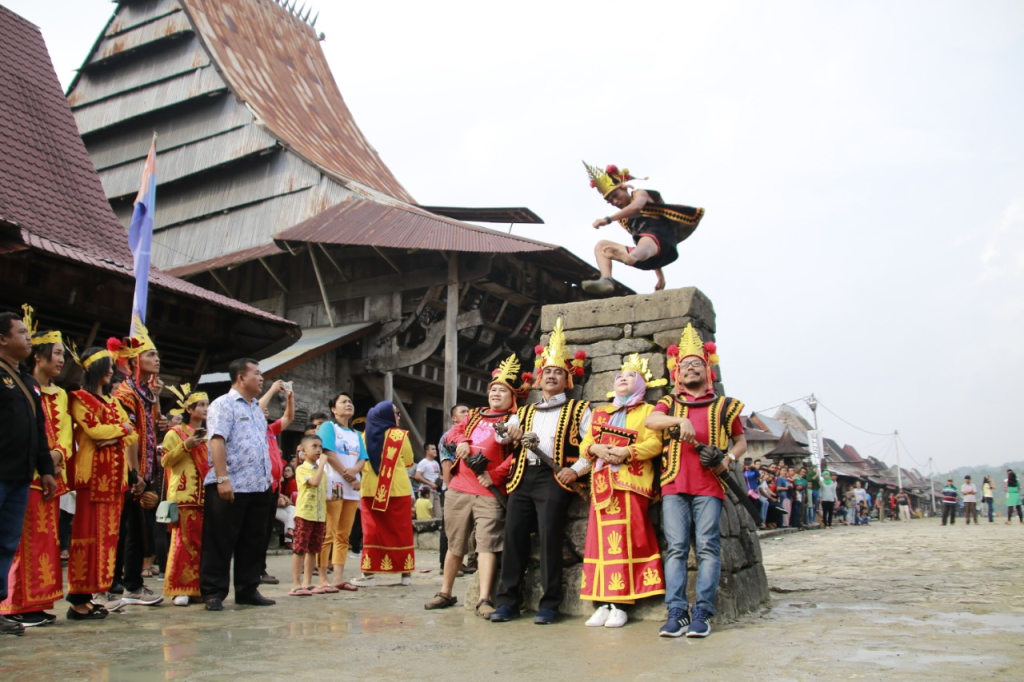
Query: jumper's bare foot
column 599, row 287
column 619, row 253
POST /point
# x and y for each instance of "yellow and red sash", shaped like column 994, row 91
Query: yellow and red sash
column 606, row 434
column 389, row 456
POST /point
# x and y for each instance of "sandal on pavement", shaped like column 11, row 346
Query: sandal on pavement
column 441, row 601
column 347, row 586
column 300, row 592
column 484, row 608
column 325, row 589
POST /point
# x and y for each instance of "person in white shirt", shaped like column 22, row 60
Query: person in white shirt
column 428, row 474
column 970, row 493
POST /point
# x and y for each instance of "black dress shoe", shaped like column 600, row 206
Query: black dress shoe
column 254, row 599
column 268, row 580
column 214, row 604
column 94, row 614
column 545, row 617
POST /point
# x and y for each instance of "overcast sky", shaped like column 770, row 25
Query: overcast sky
column 861, row 164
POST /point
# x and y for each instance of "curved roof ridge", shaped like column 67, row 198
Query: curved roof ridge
column 272, row 61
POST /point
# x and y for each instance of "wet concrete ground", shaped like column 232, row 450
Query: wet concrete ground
column 892, row 601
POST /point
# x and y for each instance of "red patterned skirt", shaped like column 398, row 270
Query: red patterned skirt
column 623, row 560
column 93, row 543
column 387, row 537
column 35, row 581
column 182, row 575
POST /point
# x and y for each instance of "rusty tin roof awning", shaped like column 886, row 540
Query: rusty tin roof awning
column 519, row 214
column 401, row 226
column 314, row 342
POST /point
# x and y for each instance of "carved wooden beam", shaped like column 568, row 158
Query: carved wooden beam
column 412, row 356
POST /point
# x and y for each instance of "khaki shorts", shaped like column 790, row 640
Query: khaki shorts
column 464, row 512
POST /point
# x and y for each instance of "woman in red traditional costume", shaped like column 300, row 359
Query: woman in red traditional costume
column 100, row 476
column 622, row 561
column 35, row 582
column 386, row 507
column 186, row 462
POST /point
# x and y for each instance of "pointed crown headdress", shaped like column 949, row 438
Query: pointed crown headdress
column 690, row 344
column 607, row 180
column 38, row 339
column 186, row 398
column 557, row 354
column 635, row 363
column 131, row 346
column 507, row 374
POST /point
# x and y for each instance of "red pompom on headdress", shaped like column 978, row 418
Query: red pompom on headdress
column 114, row 345
column 581, row 355
column 710, row 347
column 672, row 351
column 527, row 377
column 538, row 349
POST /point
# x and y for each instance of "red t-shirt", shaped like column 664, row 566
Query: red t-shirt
column 693, row 478
column 274, row 452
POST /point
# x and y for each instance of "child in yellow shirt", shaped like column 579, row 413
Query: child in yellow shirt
column 424, row 507
column 310, row 516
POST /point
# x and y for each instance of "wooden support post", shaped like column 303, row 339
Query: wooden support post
column 223, row 286
column 337, row 267
column 277, row 279
column 323, row 289
column 389, row 386
column 451, row 340
column 92, row 336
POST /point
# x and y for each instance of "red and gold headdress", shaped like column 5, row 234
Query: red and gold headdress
column 507, row 374
column 690, row 344
column 607, row 180
column 132, row 346
column 557, row 354
column 186, row 398
column 38, row 339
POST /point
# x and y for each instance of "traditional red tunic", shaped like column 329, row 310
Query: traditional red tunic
column 186, row 470
column 100, row 476
column 386, row 509
column 35, row 581
column 622, row 559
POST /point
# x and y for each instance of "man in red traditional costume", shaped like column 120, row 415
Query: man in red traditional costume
column 539, row 496
column 137, row 358
column 691, row 490
column 100, row 472
column 34, row 581
column 186, row 460
column 470, row 504
column 386, row 506
column 656, row 228
column 622, row 561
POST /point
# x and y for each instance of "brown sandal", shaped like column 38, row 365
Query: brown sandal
column 441, row 601
column 485, row 612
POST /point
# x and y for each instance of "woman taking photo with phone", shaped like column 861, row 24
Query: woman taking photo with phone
column 186, row 461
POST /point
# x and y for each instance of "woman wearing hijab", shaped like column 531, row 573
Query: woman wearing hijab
column 622, row 561
column 828, row 498
column 386, row 506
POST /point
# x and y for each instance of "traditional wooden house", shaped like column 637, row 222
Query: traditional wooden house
column 63, row 250
column 269, row 191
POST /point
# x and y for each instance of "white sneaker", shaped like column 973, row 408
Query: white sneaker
column 181, row 600
column 365, row 581
column 406, row 581
column 616, row 618
column 600, row 616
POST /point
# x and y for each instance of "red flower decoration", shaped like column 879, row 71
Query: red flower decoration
column 593, row 184
column 710, row 346
column 578, row 371
column 581, row 355
column 538, row 349
column 113, row 344
column 612, row 169
column 527, row 377
column 672, row 351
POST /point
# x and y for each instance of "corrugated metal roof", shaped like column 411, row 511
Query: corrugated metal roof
column 369, row 223
column 183, row 161
column 225, row 261
column 135, row 13
column 112, row 111
column 520, row 214
column 182, row 56
column 314, row 342
column 788, row 447
column 142, row 34
column 47, row 182
column 274, row 63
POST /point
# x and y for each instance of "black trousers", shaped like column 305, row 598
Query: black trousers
column 826, row 513
column 64, row 529
column 948, row 511
column 539, row 502
column 132, row 545
column 232, row 529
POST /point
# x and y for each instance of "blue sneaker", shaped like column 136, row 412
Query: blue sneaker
column 545, row 617
column 700, row 627
column 503, row 614
column 675, row 626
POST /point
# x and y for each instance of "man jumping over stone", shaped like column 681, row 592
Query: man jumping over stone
column 656, row 228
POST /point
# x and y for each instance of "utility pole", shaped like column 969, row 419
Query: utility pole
column 899, row 472
column 812, row 403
